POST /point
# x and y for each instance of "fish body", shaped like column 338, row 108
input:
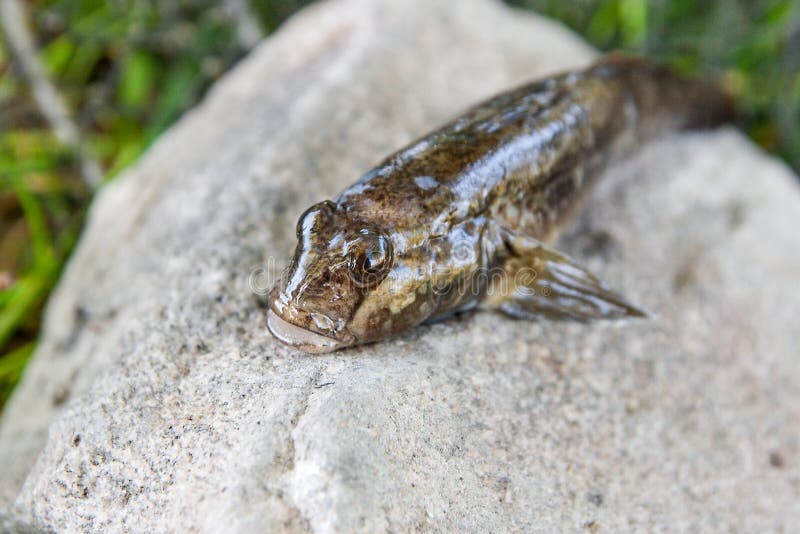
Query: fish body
column 460, row 218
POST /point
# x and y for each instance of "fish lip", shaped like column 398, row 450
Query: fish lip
column 301, row 338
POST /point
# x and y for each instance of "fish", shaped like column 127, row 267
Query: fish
column 463, row 218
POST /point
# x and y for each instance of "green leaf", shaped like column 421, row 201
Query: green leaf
column 31, row 289
column 138, row 78
column 44, row 254
column 57, row 54
column 603, row 26
column 11, row 364
column 83, row 63
column 176, row 94
column 11, row 367
column 126, row 154
column 633, row 22
column 27, row 293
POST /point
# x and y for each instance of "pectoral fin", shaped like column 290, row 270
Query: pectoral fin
column 536, row 281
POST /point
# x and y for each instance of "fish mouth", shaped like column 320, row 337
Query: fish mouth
column 301, row 338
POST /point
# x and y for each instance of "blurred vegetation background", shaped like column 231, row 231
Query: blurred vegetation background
column 127, row 69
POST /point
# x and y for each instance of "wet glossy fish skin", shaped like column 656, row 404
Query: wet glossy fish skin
column 469, row 197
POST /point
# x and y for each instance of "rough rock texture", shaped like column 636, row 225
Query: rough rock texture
column 158, row 400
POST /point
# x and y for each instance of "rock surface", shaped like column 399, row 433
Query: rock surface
column 159, row 402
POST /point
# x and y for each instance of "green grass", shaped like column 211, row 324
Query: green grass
column 41, row 212
column 128, row 69
column 754, row 45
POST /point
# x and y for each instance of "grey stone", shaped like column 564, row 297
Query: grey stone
column 13, row 525
column 158, row 401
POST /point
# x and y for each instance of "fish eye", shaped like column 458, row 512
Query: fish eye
column 315, row 217
column 371, row 257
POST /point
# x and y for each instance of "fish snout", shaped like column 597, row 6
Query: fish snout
column 309, row 331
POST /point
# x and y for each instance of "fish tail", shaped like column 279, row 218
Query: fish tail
column 665, row 99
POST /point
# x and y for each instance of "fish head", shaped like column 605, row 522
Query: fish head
column 338, row 265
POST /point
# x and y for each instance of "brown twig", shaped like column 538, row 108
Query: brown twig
column 51, row 106
column 248, row 32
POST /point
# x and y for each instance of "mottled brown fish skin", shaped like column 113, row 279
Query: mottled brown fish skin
column 439, row 212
